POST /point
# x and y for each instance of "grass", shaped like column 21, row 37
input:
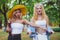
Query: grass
column 55, row 36
column 4, row 35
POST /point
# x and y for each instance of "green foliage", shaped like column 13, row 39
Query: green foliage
column 51, row 8
column 56, row 29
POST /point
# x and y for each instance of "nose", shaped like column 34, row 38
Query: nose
column 17, row 13
column 39, row 10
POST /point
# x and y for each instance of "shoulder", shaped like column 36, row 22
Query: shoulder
column 46, row 18
column 24, row 21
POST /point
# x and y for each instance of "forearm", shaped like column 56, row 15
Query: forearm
column 37, row 26
column 34, row 25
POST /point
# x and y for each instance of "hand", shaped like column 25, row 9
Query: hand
column 8, row 29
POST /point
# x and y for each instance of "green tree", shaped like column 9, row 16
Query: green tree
column 52, row 8
column 5, row 6
column 4, row 9
column 52, row 11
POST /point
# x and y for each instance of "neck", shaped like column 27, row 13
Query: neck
column 40, row 15
column 18, row 18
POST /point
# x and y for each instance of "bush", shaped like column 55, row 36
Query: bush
column 56, row 29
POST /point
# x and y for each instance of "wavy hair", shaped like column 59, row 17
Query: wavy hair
column 35, row 16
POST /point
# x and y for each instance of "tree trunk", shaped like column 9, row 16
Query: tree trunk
column 0, row 24
column 5, row 20
column 20, row 1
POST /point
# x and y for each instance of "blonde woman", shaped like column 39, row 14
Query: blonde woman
column 41, row 19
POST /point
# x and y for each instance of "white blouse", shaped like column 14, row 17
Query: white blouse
column 42, row 23
column 16, row 28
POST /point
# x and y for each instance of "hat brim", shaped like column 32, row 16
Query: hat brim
column 21, row 7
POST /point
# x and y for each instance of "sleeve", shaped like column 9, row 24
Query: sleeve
column 28, row 29
column 31, row 29
column 49, row 29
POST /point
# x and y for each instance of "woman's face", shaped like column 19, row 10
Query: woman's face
column 39, row 10
column 17, row 13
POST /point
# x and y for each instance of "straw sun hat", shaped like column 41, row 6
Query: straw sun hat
column 21, row 7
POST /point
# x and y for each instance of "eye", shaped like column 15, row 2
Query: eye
column 14, row 12
column 37, row 8
column 18, row 12
column 40, row 8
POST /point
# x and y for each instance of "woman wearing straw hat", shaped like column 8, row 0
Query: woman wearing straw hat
column 15, row 22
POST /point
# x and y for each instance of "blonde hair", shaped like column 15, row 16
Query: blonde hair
column 43, row 12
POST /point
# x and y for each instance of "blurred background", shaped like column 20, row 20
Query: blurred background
column 52, row 8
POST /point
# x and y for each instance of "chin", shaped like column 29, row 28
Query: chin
column 39, row 14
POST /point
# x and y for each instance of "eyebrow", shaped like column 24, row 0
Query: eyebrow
column 38, row 8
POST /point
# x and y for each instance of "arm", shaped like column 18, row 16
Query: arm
column 8, row 28
column 33, row 21
column 33, row 24
column 29, row 30
column 49, row 29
